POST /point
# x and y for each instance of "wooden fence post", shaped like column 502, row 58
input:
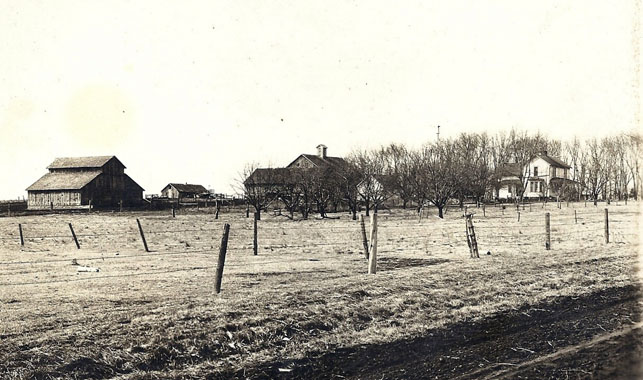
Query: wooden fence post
column 547, row 233
column 364, row 240
column 222, row 253
column 22, row 239
column 120, row 206
column 140, row 229
column 255, row 244
column 89, row 209
column 472, row 242
column 372, row 258
column 173, row 212
column 575, row 218
column 73, row 234
column 216, row 212
column 484, row 213
column 607, row 227
column 519, row 216
column 247, row 210
column 9, row 209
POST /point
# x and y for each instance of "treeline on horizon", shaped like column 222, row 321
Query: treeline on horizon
column 468, row 166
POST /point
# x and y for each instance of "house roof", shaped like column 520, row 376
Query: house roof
column 272, row 176
column 81, row 162
column 64, row 181
column 321, row 162
column 553, row 161
column 187, row 188
column 509, row 170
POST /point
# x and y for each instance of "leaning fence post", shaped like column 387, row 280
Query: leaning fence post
column 372, row 258
column 547, row 233
column 140, row 229
column 607, row 227
column 364, row 240
column 22, row 239
column 73, row 234
column 471, row 237
column 221, row 263
column 255, row 245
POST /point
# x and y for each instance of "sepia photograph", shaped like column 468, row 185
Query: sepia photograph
column 330, row 189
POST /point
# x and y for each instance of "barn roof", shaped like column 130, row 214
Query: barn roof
column 321, row 162
column 64, row 181
column 81, row 162
column 187, row 188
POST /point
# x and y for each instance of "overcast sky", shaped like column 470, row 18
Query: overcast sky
column 192, row 91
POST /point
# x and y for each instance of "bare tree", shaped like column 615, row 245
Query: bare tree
column 633, row 156
column 260, row 186
column 474, row 165
column 397, row 167
column 597, row 168
column 442, row 172
column 371, row 188
column 348, row 182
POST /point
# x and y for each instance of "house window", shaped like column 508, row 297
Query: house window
column 531, row 187
column 535, row 171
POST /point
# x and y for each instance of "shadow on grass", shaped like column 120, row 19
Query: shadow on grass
column 394, row 263
column 477, row 349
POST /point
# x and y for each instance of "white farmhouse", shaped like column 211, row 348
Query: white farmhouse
column 542, row 177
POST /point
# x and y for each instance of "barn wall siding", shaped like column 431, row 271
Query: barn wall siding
column 44, row 199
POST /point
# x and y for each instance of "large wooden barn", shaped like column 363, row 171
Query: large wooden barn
column 77, row 182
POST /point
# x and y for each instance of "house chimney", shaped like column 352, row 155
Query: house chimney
column 544, row 152
column 321, row 150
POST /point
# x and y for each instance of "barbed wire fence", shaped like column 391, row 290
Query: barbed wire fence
column 200, row 235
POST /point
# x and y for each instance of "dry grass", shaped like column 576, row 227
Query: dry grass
column 156, row 314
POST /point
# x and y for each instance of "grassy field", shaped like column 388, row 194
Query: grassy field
column 305, row 300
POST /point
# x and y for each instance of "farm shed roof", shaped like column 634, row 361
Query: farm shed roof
column 554, row 161
column 187, row 188
column 81, row 162
column 64, row 181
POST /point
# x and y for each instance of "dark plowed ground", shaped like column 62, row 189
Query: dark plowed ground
column 596, row 336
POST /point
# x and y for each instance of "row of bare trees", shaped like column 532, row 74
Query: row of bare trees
column 446, row 170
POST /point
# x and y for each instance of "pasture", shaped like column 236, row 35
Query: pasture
column 305, row 307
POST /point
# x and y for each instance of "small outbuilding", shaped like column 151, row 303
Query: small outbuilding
column 77, row 182
column 181, row 191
